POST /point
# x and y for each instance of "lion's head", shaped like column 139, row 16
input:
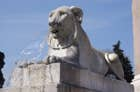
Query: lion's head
column 62, row 23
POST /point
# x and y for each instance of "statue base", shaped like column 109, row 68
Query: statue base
column 62, row 77
column 136, row 83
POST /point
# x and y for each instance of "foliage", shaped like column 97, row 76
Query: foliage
column 128, row 72
column 1, row 66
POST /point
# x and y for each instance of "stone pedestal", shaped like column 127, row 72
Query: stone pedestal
column 62, row 77
column 136, row 83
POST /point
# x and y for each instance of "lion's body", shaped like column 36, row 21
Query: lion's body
column 69, row 43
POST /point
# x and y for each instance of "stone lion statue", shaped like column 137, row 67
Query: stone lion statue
column 69, row 43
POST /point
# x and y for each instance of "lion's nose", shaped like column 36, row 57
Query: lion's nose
column 54, row 23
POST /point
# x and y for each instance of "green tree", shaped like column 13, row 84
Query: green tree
column 128, row 72
column 2, row 56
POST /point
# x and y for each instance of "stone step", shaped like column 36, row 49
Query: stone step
column 49, row 88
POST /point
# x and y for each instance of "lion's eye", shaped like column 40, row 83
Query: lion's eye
column 62, row 13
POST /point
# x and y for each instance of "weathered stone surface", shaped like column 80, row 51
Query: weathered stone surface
column 36, row 75
column 50, row 88
column 55, row 74
column 136, row 83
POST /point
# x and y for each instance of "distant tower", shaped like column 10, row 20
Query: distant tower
column 136, row 33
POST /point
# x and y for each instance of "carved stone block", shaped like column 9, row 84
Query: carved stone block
column 65, row 76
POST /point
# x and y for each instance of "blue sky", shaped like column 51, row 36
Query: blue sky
column 24, row 25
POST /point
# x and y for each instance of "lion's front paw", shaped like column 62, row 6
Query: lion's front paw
column 52, row 59
column 25, row 64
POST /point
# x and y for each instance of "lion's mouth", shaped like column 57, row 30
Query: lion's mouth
column 55, row 31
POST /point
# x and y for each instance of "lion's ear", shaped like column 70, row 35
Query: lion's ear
column 78, row 13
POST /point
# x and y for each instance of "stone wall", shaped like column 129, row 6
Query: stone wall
column 63, row 77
